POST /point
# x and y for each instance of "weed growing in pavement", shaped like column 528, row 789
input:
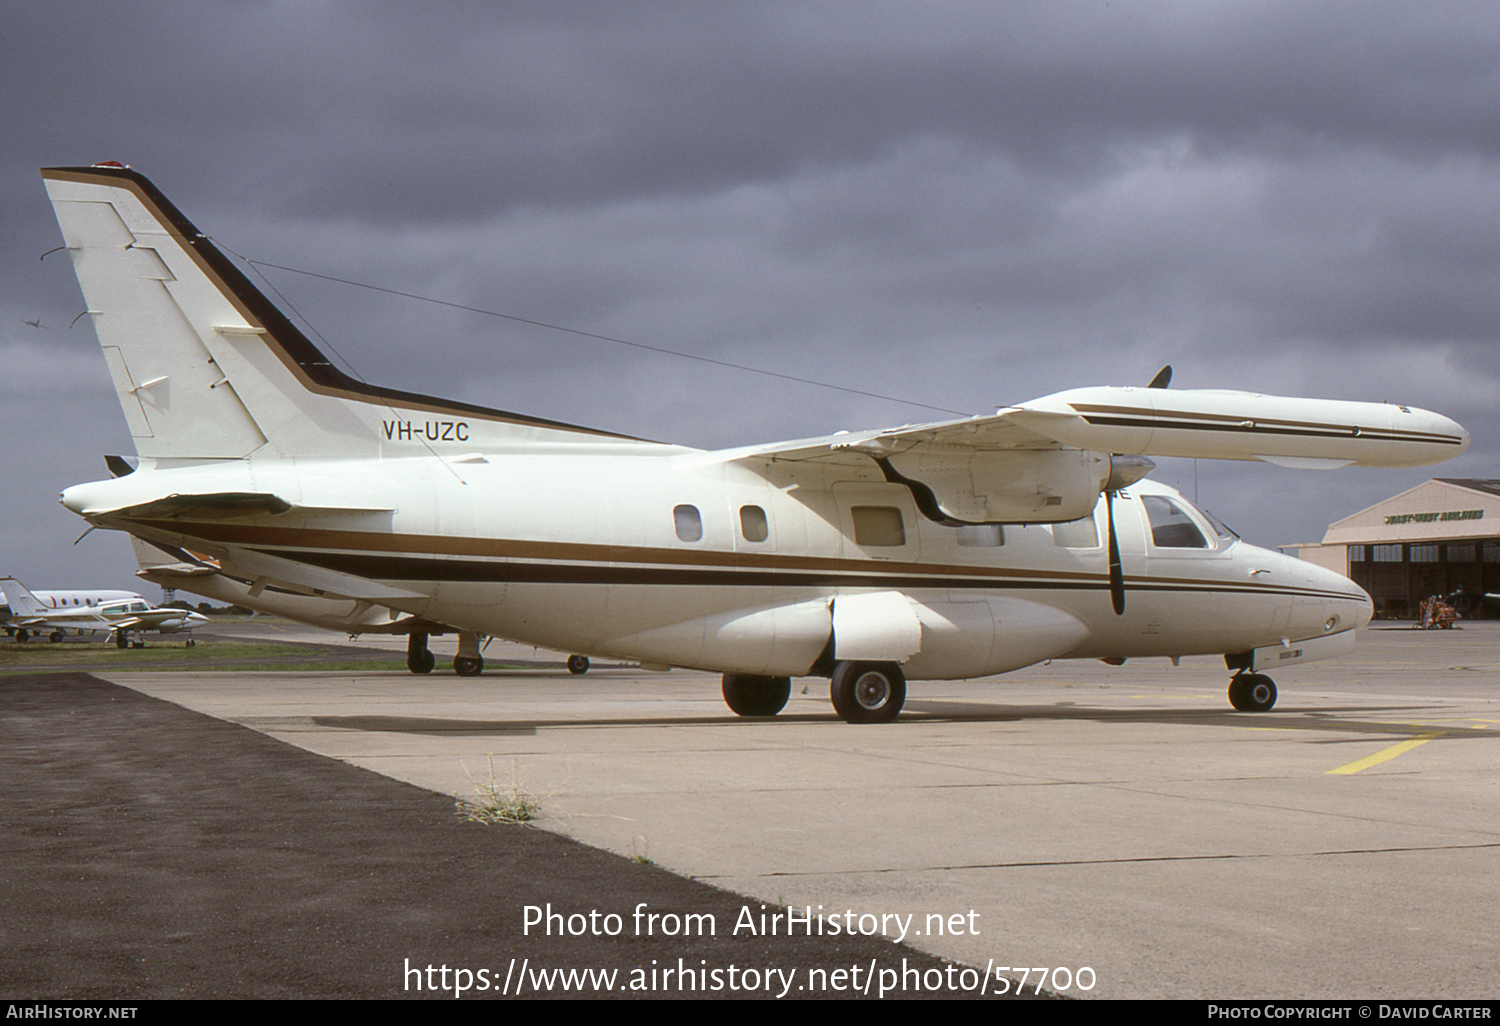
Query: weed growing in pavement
column 496, row 802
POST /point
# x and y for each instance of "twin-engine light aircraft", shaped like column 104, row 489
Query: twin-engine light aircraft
column 937, row 551
column 120, row 613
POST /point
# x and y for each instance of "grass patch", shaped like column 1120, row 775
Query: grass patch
column 499, row 802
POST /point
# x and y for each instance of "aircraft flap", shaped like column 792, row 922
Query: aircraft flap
column 876, row 626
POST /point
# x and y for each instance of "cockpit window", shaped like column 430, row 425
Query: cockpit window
column 1226, row 533
column 1171, row 526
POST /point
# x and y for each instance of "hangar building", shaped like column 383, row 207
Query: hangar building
column 1439, row 538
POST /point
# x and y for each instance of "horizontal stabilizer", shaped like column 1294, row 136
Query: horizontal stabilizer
column 202, row 506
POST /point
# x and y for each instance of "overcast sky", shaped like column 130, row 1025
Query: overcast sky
column 961, row 205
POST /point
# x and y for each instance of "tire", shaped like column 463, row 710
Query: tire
column 868, row 692
column 1252, row 692
column 749, row 695
column 578, row 664
column 467, row 666
column 419, row 658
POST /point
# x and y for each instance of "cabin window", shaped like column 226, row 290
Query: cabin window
column 753, row 524
column 1076, row 534
column 878, row 526
column 689, row 524
column 1171, row 527
column 981, row 536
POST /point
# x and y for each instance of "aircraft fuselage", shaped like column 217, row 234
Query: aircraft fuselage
column 688, row 560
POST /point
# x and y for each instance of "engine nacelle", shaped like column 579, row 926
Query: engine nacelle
column 1040, row 487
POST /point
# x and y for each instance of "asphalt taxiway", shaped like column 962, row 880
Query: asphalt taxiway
column 1122, row 820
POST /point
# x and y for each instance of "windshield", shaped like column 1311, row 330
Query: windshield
column 1226, row 533
column 1172, row 526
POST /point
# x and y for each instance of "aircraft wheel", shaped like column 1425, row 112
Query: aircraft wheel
column 467, row 666
column 55, row 637
column 749, row 695
column 121, row 641
column 578, row 664
column 868, row 692
column 22, row 637
column 419, row 658
column 1252, row 692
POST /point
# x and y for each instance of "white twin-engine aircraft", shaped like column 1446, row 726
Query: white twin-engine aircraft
column 120, row 613
column 930, row 552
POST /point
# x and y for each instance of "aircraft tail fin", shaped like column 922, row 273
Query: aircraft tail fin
column 19, row 599
column 206, row 367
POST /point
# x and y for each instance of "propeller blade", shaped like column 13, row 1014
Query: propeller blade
column 1116, row 571
column 1163, row 378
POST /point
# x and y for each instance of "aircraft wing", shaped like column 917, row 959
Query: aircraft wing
column 83, row 618
column 999, row 432
column 1048, row 459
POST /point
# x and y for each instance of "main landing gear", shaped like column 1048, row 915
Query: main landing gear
column 861, row 692
column 1252, row 692
column 468, row 662
column 868, row 692
column 419, row 659
column 749, row 695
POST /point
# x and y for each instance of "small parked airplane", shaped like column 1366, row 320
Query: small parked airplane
column 121, row 613
column 947, row 550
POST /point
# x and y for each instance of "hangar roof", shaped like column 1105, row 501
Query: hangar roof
column 1443, row 509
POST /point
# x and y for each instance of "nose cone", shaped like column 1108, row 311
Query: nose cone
column 1345, row 606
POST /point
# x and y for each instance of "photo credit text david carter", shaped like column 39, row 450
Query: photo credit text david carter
column 513, row 976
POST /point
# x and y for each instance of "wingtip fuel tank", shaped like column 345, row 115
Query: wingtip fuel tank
column 1212, row 424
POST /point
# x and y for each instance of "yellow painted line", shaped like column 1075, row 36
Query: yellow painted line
column 1385, row 754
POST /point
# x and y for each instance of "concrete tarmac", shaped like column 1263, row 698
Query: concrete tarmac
column 1120, row 826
